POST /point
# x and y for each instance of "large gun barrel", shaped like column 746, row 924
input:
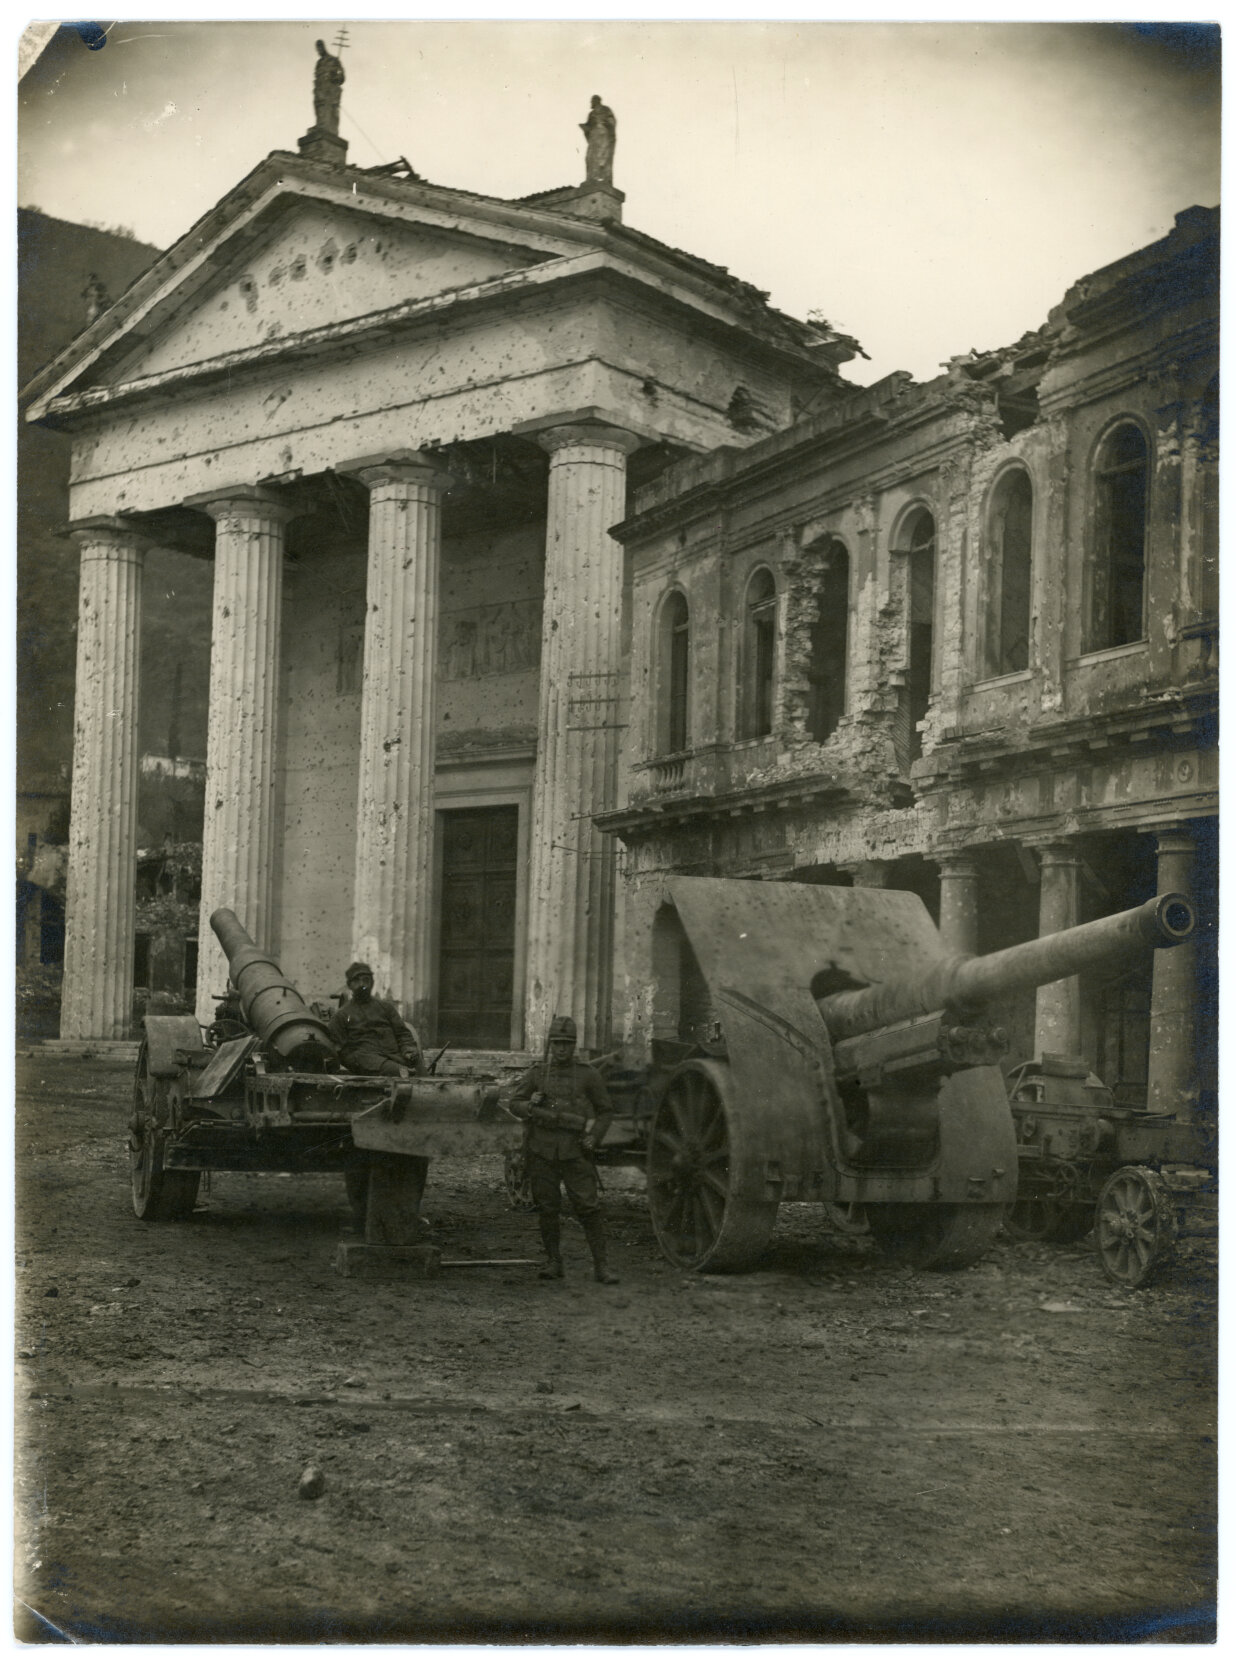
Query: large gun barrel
column 271, row 1005
column 965, row 983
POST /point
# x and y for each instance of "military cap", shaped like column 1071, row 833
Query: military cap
column 562, row 1029
column 357, row 969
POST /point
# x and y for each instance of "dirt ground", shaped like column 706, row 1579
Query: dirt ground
column 833, row 1448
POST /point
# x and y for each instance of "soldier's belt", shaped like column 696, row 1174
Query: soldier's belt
column 559, row 1119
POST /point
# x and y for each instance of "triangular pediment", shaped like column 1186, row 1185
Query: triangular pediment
column 296, row 249
column 318, row 265
column 306, row 257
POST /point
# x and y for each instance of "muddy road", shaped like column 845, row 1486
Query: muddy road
column 832, row 1448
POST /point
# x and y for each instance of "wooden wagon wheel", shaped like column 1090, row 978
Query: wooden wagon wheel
column 700, row 1222
column 158, row 1193
column 1135, row 1228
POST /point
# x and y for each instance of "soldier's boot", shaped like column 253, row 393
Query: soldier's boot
column 594, row 1230
column 551, row 1238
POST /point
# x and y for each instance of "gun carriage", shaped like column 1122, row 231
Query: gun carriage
column 838, row 1054
column 1142, row 1180
column 264, row 1091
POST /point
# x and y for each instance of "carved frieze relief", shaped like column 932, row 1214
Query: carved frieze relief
column 486, row 639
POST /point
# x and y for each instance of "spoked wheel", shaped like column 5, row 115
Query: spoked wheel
column 1044, row 1219
column 516, row 1179
column 943, row 1236
column 1135, row 1228
column 159, row 1193
column 699, row 1220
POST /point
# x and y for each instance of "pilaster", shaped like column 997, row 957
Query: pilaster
column 98, row 951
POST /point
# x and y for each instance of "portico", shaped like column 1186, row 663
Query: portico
column 400, row 420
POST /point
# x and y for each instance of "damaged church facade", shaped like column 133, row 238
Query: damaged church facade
column 400, row 420
column 549, row 560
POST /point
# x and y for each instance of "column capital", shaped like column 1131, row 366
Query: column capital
column 957, row 865
column 586, row 427
column 411, row 466
column 1056, row 853
column 1172, row 836
column 557, row 438
column 119, row 532
column 242, row 499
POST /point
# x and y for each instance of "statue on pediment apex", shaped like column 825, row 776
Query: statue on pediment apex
column 601, row 131
column 328, row 78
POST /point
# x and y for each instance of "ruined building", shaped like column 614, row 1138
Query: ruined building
column 961, row 639
column 399, row 420
column 549, row 559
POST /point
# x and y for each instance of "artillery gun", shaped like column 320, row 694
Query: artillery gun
column 1142, row 1179
column 276, row 1099
column 840, row 1055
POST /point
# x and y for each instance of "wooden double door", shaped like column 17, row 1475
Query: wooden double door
column 476, row 959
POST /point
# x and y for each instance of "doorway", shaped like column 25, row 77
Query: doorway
column 476, row 958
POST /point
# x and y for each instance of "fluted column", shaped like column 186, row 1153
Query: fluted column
column 1172, row 1081
column 392, row 926
column 959, row 904
column 238, row 830
column 1057, row 1006
column 98, row 946
column 571, row 882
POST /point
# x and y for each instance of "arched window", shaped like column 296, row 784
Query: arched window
column 918, row 540
column 1115, row 613
column 830, row 632
column 759, row 654
column 673, row 732
column 1006, row 632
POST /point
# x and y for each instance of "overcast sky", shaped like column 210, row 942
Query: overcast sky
column 929, row 187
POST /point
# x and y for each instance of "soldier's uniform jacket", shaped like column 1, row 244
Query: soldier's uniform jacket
column 369, row 1032
column 574, row 1089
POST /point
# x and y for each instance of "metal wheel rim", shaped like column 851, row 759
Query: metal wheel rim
column 689, row 1169
column 699, row 1221
column 1129, row 1230
column 143, row 1171
column 142, row 1167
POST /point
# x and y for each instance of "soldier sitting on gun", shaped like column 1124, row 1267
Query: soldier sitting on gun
column 371, row 1036
column 568, row 1112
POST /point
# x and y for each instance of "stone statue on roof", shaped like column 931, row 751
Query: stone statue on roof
column 328, row 78
column 601, row 131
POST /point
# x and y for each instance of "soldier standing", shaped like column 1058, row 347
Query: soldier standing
column 568, row 1112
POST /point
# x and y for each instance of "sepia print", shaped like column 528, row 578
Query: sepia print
column 617, row 895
